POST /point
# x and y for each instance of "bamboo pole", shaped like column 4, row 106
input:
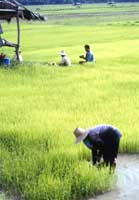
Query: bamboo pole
column 18, row 35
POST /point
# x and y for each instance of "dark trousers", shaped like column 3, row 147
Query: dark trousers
column 111, row 139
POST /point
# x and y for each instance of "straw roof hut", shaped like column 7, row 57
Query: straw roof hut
column 13, row 9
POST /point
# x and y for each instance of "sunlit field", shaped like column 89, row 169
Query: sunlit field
column 41, row 105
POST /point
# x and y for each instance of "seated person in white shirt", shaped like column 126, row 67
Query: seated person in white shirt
column 65, row 61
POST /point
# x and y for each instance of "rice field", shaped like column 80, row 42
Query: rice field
column 40, row 105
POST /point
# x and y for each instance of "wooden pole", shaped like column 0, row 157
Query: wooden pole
column 18, row 35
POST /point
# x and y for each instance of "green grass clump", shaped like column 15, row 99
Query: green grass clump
column 41, row 105
column 40, row 175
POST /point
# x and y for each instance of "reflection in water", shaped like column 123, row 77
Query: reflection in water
column 127, row 186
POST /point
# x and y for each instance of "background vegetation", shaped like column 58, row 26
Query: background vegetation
column 41, row 105
column 38, row 2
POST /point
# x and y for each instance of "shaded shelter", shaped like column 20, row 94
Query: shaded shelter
column 13, row 9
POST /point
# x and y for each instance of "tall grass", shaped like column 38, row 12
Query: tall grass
column 41, row 105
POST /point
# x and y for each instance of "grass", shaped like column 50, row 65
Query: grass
column 99, row 7
column 89, row 14
column 40, row 106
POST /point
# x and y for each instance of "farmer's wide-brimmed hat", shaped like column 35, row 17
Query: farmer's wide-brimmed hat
column 80, row 134
column 63, row 53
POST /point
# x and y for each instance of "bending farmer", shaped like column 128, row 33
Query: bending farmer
column 102, row 140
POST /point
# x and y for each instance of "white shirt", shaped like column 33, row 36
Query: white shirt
column 65, row 61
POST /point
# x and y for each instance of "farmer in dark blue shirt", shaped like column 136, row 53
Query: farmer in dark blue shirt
column 89, row 57
column 102, row 140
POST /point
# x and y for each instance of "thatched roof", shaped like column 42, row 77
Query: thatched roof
column 9, row 9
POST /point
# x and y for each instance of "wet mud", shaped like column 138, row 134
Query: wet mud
column 127, row 184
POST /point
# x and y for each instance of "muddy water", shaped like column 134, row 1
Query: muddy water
column 127, row 185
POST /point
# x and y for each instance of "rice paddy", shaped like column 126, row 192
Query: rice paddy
column 40, row 105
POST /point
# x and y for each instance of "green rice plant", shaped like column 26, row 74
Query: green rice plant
column 82, row 184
